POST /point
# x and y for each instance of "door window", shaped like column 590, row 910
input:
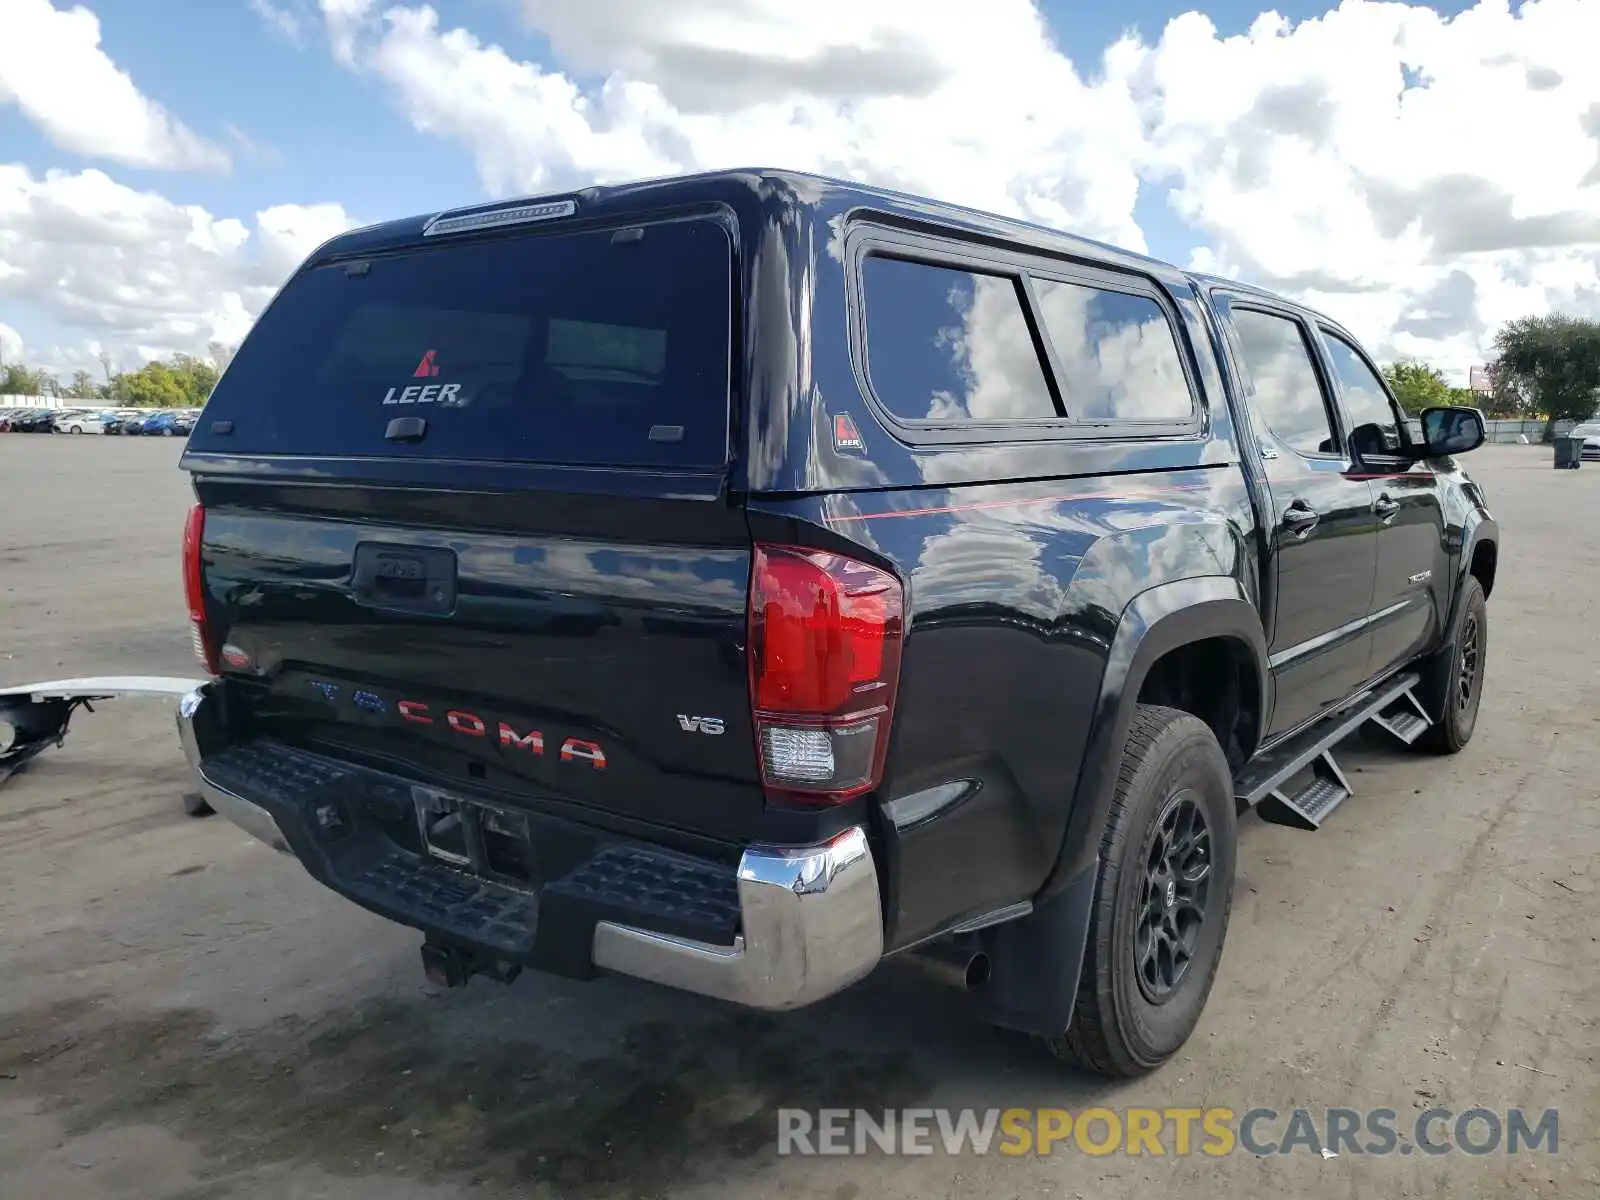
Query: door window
column 1365, row 402
column 1288, row 393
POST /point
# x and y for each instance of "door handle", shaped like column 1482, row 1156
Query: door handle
column 1386, row 507
column 412, row 579
column 1300, row 518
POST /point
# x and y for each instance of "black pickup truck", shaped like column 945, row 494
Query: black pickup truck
column 733, row 581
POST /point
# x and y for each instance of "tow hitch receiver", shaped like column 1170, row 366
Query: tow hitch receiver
column 452, row 966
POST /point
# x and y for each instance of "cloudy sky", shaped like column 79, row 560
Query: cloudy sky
column 1421, row 173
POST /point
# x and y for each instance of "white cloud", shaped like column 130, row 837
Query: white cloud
column 10, row 344
column 285, row 22
column 53, row 69
column 1423, row 179
column 969, row 102
column 138, row 273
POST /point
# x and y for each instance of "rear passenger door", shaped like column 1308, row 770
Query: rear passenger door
column 1408, row 596
column 1321, row 539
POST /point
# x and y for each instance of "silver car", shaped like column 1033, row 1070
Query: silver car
column 1589, row 431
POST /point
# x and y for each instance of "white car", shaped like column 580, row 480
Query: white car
column 79, row 420
column 1589, row 431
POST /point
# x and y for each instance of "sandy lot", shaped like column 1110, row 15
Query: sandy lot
column 185, row 1014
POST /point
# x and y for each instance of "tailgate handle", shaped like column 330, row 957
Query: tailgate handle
column 410, row 579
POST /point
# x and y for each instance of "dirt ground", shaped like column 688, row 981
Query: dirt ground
column 184, row 1013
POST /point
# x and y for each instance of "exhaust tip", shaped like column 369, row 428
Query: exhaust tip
column 979, row 969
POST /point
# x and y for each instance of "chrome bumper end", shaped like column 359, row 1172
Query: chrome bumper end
column 198, row 730
column 811, row 920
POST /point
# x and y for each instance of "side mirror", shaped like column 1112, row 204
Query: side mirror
column 1451, row 430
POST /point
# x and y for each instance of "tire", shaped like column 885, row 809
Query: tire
column 1131, row 1015
column 1452, row 680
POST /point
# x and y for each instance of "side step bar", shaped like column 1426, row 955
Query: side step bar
column 1405, row 719
column 1309, row 807
column 1265, row 785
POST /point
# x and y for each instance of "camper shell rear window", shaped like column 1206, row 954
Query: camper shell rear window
column 601, row 347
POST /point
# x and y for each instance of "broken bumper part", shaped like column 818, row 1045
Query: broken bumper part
column 35, row 716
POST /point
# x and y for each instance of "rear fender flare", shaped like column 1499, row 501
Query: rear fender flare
column 1037, row 960
column 1155, row 622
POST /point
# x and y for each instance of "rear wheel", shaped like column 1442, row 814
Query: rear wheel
column 1452, row 681
column 1162, row 899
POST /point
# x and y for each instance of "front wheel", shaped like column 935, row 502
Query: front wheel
column 1161, row 901
column 1452, row 681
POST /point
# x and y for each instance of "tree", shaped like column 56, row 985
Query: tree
column 196, row 377
column 221, row 354
column 113, row 389
column 17, row 380
column 1553, row 363
column 1416, row 385
column 82, row 387
column 153, row 385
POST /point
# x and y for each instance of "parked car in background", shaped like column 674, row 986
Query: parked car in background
column 79, row 420
column 119, row 421
column 6, row 414
column 1589, row 431
column 170, row 423
column 35, row 420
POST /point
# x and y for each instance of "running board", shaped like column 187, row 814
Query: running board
column 1264, row 785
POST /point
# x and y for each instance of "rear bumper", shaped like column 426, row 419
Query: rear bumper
column 791, row 925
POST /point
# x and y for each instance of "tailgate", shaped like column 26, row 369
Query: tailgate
column 565, row 666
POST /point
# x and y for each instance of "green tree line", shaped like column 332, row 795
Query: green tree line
column 179, row 381
column 1544, row 368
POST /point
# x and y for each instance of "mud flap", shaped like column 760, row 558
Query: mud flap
column 1037, row 960
column 35, row 716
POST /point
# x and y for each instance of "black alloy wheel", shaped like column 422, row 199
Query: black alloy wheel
column 1177, row 886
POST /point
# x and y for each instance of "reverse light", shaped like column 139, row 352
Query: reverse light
column 205, row 646
column 825, row 635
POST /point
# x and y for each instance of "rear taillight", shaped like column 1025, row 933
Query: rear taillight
column 205, row 646
column 825, row 634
